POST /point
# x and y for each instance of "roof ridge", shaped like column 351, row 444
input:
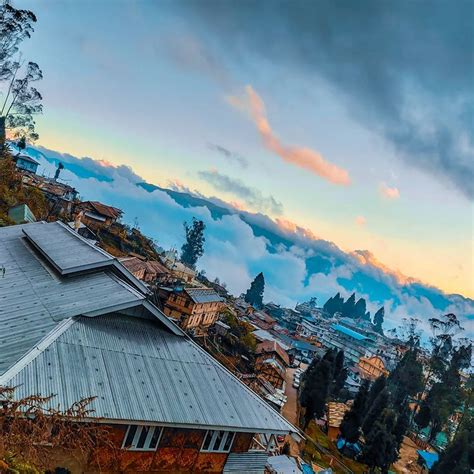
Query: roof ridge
column 38, row 349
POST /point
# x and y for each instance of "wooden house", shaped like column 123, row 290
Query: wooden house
column 371, row 368
column 194, row 308
column 271, row 363
column 97, row 215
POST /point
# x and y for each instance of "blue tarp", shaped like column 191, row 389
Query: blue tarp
column 428, row 458
column 349, row 332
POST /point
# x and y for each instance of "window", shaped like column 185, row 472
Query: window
column 218, row 441
column 142, row 437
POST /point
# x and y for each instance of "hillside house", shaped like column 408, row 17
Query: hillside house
column 371, row 368
column 92, row 331
column 97, row 215
column 60, row 196
column 26, row 163
column 146, row 270
column 271, row 363
column 195, row 309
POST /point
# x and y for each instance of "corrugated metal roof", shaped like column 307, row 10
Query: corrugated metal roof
column 33, row 299
column 141, row 372
column 94, row 335
column 67, row 255
column 246, row 463
column 203, row 295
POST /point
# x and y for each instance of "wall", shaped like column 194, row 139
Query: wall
column 178, row 452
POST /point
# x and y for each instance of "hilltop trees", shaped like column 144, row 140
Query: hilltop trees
column 355, row 309
column 193, row 248
column 254, row 294
column 378, row 320
column 21, row 100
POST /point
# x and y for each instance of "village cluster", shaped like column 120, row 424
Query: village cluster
column 173, row 362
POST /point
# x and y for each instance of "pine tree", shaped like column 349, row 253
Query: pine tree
column 380, row 443
column 340, row 374
column 378, row 320
column 458, row 458
column 402, row 425
column 351, row 423
column 334, row 305
column 193, row 248
column 375, row 410
column 375, row 389
column 360, row 309
column 316, row 383
column 406, row 379
column 254, row 294
column 348, row 308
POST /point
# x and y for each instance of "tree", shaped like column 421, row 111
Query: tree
column 378, row 320
column 334, row 305
column 21, row 100
column 402, row 425
column 458, row 458
column 406, row 379
column 352, row 421
column 360, row 309
column 316, row 383
column 380, row 449
column 193, row 248
column 339, row 375
column 375, row 390
column 348, row 309
column 375, row 410
column 254, row 294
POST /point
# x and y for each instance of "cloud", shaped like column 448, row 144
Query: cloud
column 253, row 197
column 360, row 221
column 296, row 263
column 230, row 155
column 301, row 157
column 389, row 192
column 403, row 70
column 189, row 53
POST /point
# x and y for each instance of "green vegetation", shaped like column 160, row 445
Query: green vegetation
column 323, row 379
column 254, row 295
column 13, row 192
column 193, row 248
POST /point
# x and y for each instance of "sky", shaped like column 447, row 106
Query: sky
column 354, row 123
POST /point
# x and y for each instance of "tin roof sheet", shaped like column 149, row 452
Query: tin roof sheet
column 33, row 298
column 67, row 255
column 141, row 372
column 203, row 295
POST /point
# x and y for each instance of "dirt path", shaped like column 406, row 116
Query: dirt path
column 289, row 410
column 407, row 464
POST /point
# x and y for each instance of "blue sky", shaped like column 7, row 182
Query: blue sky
column 382, row 92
